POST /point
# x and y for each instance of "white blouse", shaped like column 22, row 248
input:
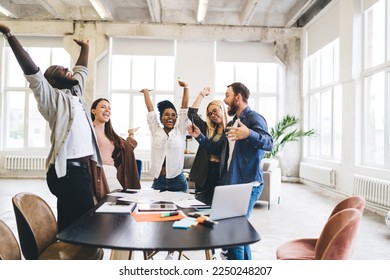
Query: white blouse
column 169, row 146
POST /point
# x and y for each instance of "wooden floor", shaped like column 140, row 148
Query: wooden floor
column 302, row 212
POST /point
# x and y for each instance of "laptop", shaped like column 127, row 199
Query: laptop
column 230, row 201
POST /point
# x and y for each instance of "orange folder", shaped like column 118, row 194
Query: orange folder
column 155, row 217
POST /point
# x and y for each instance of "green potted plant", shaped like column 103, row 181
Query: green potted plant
column 285, row 131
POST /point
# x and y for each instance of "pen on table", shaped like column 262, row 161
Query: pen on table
column 169, row 214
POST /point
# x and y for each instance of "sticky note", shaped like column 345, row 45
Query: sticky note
column 184, row 223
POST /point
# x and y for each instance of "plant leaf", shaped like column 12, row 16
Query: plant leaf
column 284, row 132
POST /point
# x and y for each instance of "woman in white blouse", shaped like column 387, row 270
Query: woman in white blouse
column 168, row 142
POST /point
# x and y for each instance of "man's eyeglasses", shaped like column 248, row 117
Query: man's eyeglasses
column 213, row 112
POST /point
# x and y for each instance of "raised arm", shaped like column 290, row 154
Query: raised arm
column 84, row 51
column 193, row 110
column 148, row 101
column 204, row 92
column 26, row 63
column 184, row 100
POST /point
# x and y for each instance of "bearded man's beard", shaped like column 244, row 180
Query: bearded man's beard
column 232, row 109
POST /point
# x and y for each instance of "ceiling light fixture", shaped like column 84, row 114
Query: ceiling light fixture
column 6, row 12
column 202, row 10
column 101, row 9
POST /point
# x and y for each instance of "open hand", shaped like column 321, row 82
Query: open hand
column 206, row 91
column 237, row 133
column 132, row 131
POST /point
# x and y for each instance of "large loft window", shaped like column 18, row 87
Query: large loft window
column 374, row 33
column 130, row 74
column 375, row 122
column 135, row 64
column 262, row 80
column 23, row 126
column 325, row 99
column 376, row 78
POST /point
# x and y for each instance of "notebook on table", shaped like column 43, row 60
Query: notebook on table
column 230, row 201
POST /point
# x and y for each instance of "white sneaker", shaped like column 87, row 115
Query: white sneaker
column 169, row 256
column 224, row 255
column 215, row 257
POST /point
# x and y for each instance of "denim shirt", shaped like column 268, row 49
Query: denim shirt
column 247, row 153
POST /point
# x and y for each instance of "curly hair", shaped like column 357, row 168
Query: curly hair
column 163, row 105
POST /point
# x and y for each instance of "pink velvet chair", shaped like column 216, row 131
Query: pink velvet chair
column 305, row 248
column 357, row 202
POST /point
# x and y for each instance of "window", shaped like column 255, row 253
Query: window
column 376, row 78
column 325, row 99
column 262, row 80
column 375, row 123
column 374, row 25
column 130, row 74
column 24, row 127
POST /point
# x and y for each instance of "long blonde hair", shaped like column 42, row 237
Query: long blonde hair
column 212, row 126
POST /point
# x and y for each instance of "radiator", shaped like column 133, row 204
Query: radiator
column 25, row 163
column 375, row 191
column 317, row 174
column 145, row 166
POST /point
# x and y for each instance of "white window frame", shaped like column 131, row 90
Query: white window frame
column 318, row 87
column 257, row 93
column 23, row 88
column 120, row 123
column 375, row 154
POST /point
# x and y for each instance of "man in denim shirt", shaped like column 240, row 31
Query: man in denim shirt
column 242, row 150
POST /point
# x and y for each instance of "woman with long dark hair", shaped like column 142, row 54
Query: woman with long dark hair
column 119, row 163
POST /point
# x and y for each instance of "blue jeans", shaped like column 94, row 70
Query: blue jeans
column 244, row 252
column 177, row 184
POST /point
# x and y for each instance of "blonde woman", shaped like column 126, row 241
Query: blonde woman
column 205, row 169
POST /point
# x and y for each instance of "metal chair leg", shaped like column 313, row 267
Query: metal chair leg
column 209, row 254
